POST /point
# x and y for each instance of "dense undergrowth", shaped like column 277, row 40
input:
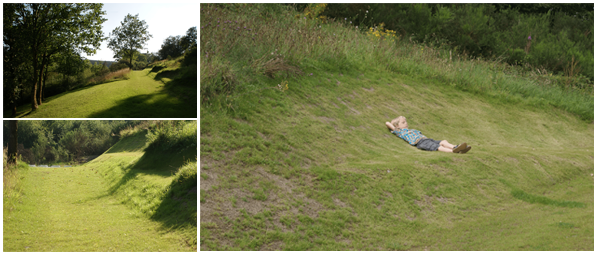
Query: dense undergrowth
column 295, row 154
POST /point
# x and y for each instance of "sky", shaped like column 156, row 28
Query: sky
column 162, row 19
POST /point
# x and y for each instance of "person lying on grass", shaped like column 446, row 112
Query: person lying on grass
column 399, row 126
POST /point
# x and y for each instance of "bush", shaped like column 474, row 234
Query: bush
column 172, row 135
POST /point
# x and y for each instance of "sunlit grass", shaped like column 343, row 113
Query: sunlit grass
column 313, row 167
column 124, row 200
column 138, row 97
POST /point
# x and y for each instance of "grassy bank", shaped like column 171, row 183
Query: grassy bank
column 240, row 41
column 150, row 93
column 128, row 199
column 295, row 154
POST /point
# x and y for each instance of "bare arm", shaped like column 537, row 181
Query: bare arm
column 390, row 126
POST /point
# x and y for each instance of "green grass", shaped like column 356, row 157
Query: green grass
column 124, row 200
column 140, row 96
column 314, row 167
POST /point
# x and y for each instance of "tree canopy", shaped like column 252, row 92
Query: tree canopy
column 175, row 46
column 33, row 33
column 129, row 37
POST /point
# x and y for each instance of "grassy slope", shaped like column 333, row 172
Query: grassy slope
column 314, row 168
column 139, row 96
column 124, row 200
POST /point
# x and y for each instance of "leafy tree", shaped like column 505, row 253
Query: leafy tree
column 172, row 47
column 129, row 37
column 176, row 46
column 39, row 31
column 190, row 39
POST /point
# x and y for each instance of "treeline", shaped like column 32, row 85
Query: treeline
column 558, row 38
column 50, row 141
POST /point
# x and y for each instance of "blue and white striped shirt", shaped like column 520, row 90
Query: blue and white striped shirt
column 412, row 136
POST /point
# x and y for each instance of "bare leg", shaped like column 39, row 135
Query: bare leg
column 444, row 149
column 447, row 145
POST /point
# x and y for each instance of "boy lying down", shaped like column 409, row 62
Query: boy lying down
column 399, row 126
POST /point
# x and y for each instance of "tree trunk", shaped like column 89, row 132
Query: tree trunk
column 12, row 142
column 35, row 81
column 41, row 76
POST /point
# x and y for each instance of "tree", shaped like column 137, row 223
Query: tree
column 129, row 37
column 39, row 31
column 190, row 39
column 171, row 47
column 12, row 142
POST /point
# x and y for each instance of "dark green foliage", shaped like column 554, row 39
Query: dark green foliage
column 171, row 48
column 38, row 32
column 558, row 32
column 175, row 46
column 48, row 141
column 172, row 135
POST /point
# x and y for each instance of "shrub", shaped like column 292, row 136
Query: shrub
column 171, row 135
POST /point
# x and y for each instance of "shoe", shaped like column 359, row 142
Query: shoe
column 468, row 148
column 459, row 148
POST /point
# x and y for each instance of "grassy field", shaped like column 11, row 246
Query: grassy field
column 304, row 161
column 145, row 94
column 125, row 200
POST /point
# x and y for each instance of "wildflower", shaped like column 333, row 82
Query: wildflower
column 351, row 22
column 344, row 18
column 529, row 37
column 311, row 74
column 367, row 11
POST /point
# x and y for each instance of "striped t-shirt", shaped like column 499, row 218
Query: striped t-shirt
column 412, row 136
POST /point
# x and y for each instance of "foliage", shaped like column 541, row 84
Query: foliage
column 40, row 31
column 129, row 37
column 171, row 48
column 175, row 46
column 494, row 31
column 171, row 135
column 49, row 141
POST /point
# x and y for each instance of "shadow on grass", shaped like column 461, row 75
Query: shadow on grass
column 164, row 164
column 178, row 208
column 148, row 106
column 25, row 110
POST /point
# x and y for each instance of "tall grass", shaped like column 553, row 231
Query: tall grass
column 240, row 43
column 170, row 135
column 122, row 74
column 12, row 181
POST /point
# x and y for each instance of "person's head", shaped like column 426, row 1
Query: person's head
column 400, row 122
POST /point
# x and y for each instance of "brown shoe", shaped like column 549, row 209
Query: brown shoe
column 459, row 148
column 468, row 148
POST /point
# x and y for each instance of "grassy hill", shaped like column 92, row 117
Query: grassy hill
column 156, row 92
column 300, row 159
column 131, row 198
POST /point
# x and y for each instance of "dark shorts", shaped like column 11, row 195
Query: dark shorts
column 428, row 144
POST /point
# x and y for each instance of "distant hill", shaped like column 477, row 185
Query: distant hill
column 108, row 63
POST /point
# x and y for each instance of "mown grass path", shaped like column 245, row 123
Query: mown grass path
column 69, row 209
column 139, row 96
